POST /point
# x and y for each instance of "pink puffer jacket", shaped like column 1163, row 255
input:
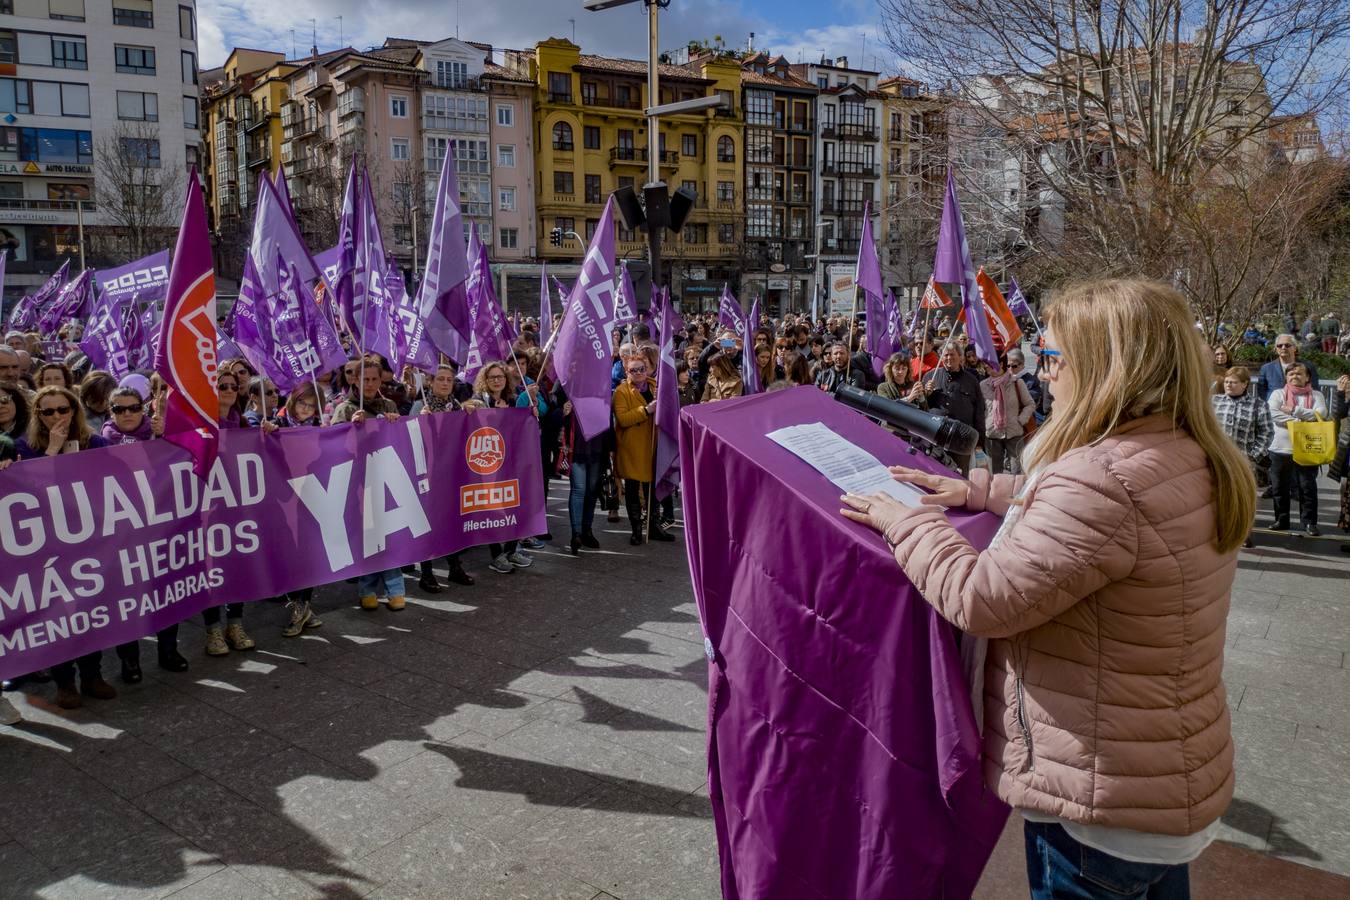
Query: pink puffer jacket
column 1104, row 700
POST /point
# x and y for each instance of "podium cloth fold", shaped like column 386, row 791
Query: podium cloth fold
column 843, row 755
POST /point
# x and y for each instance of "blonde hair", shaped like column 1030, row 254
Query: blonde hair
column 1134, row 352
column 38, row 432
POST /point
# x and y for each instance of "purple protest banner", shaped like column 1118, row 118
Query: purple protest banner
column 729, row 312
column 147, row 277
column 61, row 304
column 404, row 335
column 895, row 325
column 23, row 317
column 625, row 301
column 342, row 279
column 953, row 265
column 369, row 267
column 106, row 341
column 111, row 545
column 442, row 297
column 583, row 355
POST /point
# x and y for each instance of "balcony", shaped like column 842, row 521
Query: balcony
column 259, row 122
column 800, row 127
column 638, row 157
column 829, row 206
column 560, row 97
column 856, row 131
column 468, row 83
column 723, row 112
column 616, row 103
column 849, row 168
column 56, row 212
column 262, row 159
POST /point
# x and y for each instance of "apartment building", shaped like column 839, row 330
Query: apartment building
column 591, row 139
column 849, row 155
column 914, row 166
column 87, row 88
column 780, row 184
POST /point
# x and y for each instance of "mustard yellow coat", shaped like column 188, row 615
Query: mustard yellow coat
column 634, row 433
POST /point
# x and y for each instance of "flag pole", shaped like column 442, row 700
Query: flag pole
column 318, row 399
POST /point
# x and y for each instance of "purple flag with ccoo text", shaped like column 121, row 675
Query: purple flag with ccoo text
column 729, row 313
column 583, row 352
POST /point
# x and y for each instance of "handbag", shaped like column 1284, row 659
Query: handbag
column 564, row 466
column 1314, row 442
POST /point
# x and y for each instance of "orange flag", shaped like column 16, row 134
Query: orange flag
column 1005, row 323
column 934, row 297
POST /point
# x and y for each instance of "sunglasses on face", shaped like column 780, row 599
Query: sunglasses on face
column 48, row 411
column 226, row 386
column 123, row 410
column 1284, row 346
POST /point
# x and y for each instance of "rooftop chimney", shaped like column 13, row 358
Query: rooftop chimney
column 750, row 45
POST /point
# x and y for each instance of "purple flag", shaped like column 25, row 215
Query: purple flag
column 277, row 323
column 583, row 352
column 23, row 317
column 370, row 265
column 146, row 278
column 45, row 295
column 283, row 192
column 150, row 319
column 106, row 340
column 625, row 302
column 489, row 340
column 749, row 364
column 442, row 297
column 1017, row 301
column 666, row 475
column 75, row 301
column 874, row 297
column 545, row 307
column 895, row 325
column 953, row 265
column 405, row 335
column 729, row 313
column 342, row 281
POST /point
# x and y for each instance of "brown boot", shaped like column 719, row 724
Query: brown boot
column 67, row 697
column 98, row 689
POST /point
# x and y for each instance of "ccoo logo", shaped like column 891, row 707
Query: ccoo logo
column 486, row 451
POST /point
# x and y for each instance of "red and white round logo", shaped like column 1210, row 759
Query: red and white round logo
column 486, row 451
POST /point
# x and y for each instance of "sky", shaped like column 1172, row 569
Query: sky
column 801, row 30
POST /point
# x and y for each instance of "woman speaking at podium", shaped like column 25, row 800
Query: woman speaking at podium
column 1104, row 597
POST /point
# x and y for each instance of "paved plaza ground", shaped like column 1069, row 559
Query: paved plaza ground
column 540, row 735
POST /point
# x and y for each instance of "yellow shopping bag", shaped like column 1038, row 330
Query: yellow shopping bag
column 1314, row 442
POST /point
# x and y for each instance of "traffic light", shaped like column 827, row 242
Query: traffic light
column 555, row 237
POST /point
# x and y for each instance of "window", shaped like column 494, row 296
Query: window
column 589, row 93
column 43, row 98
column 402, row 234
column 55, row 145
column 759, row 107
column 66, row 10
column 822, row 81
column 398, row 107
column 726, row 149
column 689, row 145
column 506, row 199
column 562, row 137
column 623, row 97
column 190, row 113
column 563, row 183
column 464, row 114
column 9, row 47
column 400, row 150
column 451, row 74
column 69, row 53
column 66, row 191
column 726, row 233
column 695, row 234
column 726, row 192
column 188, row 61
column 509, row 239
column 192, row 155
column 566, row 223
column 592, row 226
column 134, row 60
column 402, row 194
column 626, row 234
column 142, row 152
column 506, row 115
column 592, row 188
column 506, row 156
column 133, row 13
column 187, row 24
column 590, row 136
column 134, row 106
column 559, row 87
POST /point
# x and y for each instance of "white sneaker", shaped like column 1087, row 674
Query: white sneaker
column 520, row 560
column 501, row 565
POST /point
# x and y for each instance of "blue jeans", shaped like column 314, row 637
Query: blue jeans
column 585, row 492
column 392, row 579
column 1060, row 868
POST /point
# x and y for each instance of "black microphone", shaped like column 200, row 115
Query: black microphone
column 943, row 432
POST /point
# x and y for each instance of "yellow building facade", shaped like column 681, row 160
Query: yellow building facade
column 591, row 139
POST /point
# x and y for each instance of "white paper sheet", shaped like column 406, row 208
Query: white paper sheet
column 845, row 464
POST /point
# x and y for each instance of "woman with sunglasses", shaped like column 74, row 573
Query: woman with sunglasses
column 1103, row 598
column 14, row 408
column 218, row 642
column 263, row 402
column 57, row 428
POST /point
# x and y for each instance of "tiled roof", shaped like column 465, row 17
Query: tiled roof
column 501, row 73
column 637, row 67
column 750, row 76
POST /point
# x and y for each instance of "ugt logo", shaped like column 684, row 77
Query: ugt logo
column 485, row 451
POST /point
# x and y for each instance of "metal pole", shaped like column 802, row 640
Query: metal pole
column 415, row 211
column 79, row 229
column 653, row 130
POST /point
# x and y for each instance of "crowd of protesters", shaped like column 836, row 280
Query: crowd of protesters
column 51, row 406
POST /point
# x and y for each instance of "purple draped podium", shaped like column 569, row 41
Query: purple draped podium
column 843, row 757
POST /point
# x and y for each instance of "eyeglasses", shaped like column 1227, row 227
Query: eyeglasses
column 5, row 398
column 1284, row 346
column 123, row 410
column 638, row 370
column 48, row 411
column 1053, row 359
column 226, row 386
